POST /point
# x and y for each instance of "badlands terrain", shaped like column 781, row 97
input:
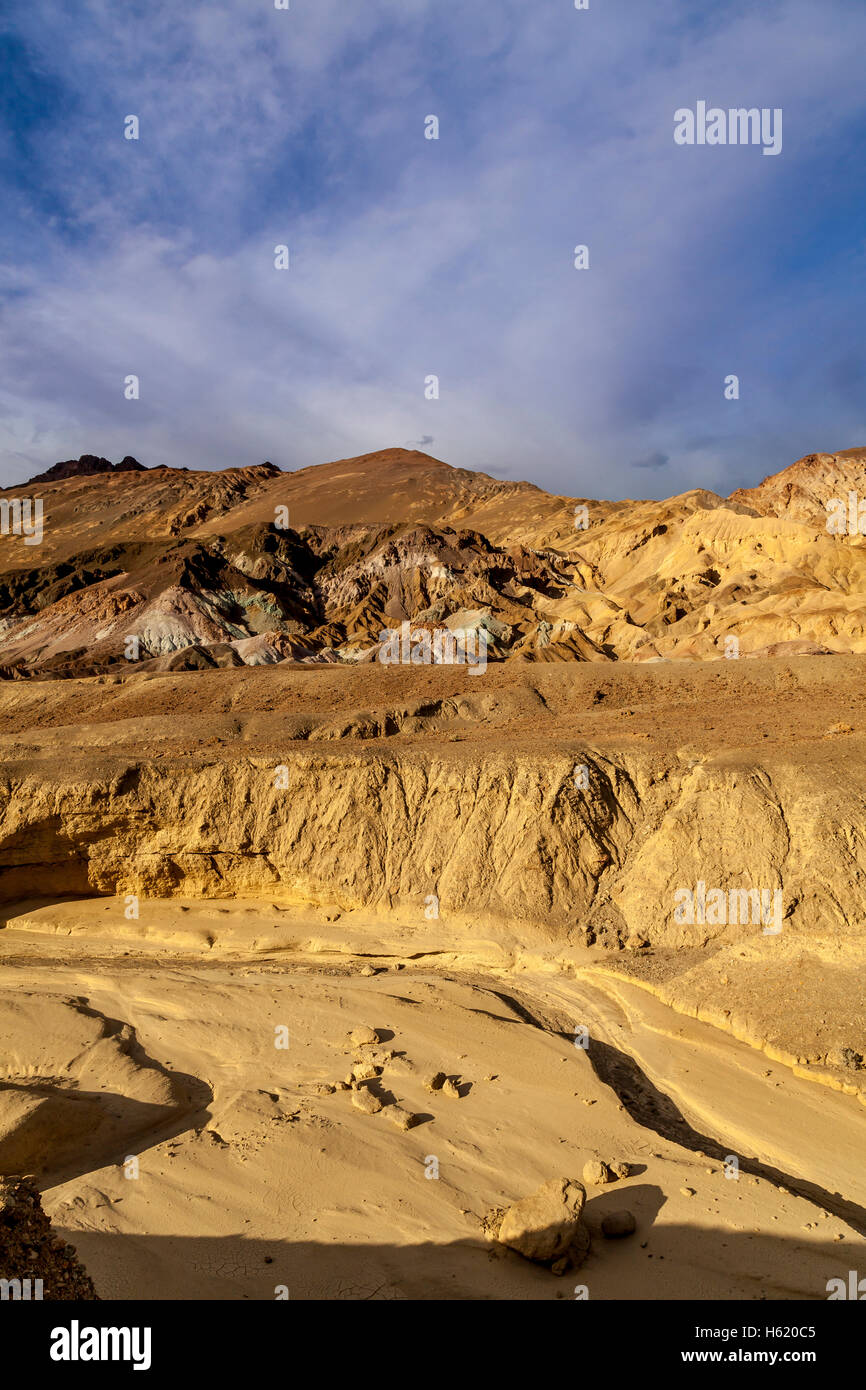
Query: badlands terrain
column 224, row 857
column 252, row 565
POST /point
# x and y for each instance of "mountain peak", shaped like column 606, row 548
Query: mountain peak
column 85, row 467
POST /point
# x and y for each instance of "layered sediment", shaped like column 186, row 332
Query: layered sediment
column 488, row 812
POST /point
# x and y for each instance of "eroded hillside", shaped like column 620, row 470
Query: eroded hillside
column 557, row 810
column 195, row 570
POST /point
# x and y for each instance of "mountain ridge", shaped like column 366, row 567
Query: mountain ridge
column 254, row 565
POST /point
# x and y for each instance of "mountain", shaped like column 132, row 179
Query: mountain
column 799, row 492
column 254, row 565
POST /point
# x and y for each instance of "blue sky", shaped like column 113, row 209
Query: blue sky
column 413, row 257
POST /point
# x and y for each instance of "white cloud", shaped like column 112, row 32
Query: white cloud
column 453, row 257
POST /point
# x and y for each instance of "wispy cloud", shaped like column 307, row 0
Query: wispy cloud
column 412, row 258
column 653, row 461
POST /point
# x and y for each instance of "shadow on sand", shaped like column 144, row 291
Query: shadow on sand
column 658, row 1262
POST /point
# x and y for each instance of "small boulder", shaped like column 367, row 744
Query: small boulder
column 363, row 1037
column 435, row 1082
column 596, row 1173
column 380, row 1059
column 364, row 1100
column 403, row 1119
column 621, row 1170
column 404, row 1066
column 450, row 1088
column 364, row 1071
column 618, row 1224
column 543, row 1226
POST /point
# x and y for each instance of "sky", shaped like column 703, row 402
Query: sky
column 411, row 258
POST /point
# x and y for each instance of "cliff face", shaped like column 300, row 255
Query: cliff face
column 514, row 838
column 700, row 827
column 509, row 838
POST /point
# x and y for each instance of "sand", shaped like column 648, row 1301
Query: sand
column 256, row 1180
column 202, row 858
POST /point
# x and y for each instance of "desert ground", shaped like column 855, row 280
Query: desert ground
column 307, row 908
column 313, row 966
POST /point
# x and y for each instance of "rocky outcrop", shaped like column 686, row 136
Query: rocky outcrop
column 34, row 1262
column 85, row 467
